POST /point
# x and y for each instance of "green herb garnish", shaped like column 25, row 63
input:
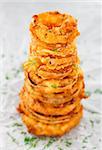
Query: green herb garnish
column 89, row 136
column 12, row 138
column 68, row 143
column 59, row 148
column 94, row 112
column 87, row 93
column 88, row 76
column 28, row 140
column 92, row 123
column 43, row 138
column 18, row 71
column 49, row 30
column 50, row 142
column 17, row 124
column 7, row 77
column 22, row 132
column 31, row 141
column 12, row 117
column 54, row 86
column 83, row 146
column 98, row 91
column 54, row 50
column 94, row 147
column 85, row 140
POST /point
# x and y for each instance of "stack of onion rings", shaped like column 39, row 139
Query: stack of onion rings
column 50, row 100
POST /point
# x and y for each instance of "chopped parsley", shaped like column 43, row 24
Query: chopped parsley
column 54, row 50
column 68, row 143
column 83, row 147
column 49, row 30
column 85, row 140
column 88, row 76
column 12, row 117
column 87, row 93
column 98, row 91
column 31, row 141
column 17, row 124
column 7, row 77
column 94, row 112
column 43, row 138
column 12, row 138
column 54, row 86
column 59, row 148
column 27, row 140
column 18, row 71
column 50, row 142
column 94, row 147
column 22, row 132
column 92, row 123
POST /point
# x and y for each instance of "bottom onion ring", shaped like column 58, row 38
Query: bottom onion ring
column 42, row 129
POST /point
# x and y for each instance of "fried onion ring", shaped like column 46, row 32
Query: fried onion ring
column 48, row 109
column 64, row 33
column 42, row 129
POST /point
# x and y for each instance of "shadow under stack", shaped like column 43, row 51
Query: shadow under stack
column 50, row 100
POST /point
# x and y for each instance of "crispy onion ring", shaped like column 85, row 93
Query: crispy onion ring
column 64, row 33
column 52, row 38
column 48, row 109
column 51, row 18
column 56, row 98
column 55, row 87
column 34, row 79
column 36, row 127
column 54, row 83
column 49, row 119
column 36, row 47
column 58, row 63
column 69, row 71
column 36, row 62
